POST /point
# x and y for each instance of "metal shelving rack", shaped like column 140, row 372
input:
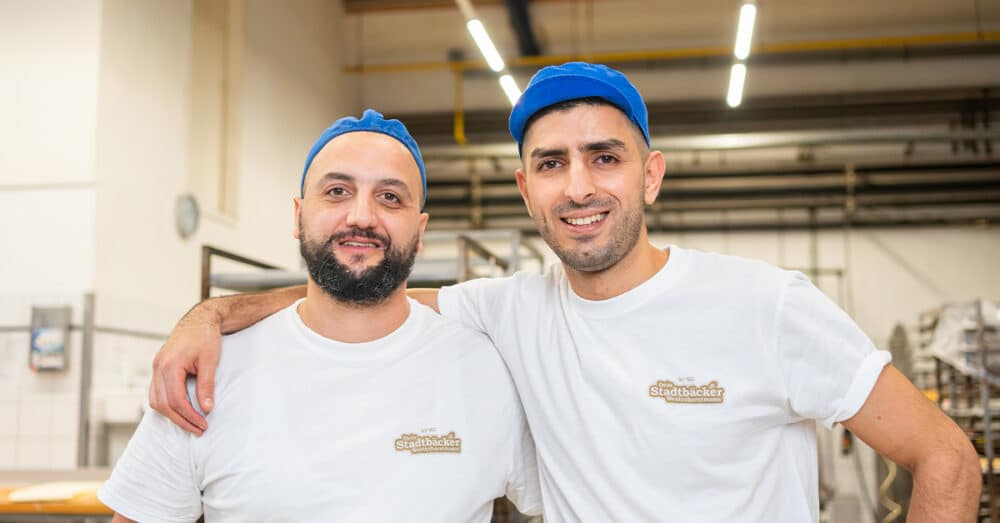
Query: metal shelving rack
column 968, row 390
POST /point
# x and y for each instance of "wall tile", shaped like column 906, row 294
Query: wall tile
column 62, row 452
column 65, row 411
column 8, row 418
column 8, row 452
column 34, row 416
column 33, row 453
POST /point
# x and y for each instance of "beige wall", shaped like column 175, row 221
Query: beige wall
column 291, row 89
column 97, row 151
column 48, row 99
column 48, row 94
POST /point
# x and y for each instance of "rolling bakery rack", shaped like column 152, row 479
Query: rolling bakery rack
column 964, row 342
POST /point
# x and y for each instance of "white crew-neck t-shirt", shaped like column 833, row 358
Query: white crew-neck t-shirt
column 421, row 425
column 689, row 398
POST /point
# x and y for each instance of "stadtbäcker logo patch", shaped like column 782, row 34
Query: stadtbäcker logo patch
column 683, row 393
column 429, row 443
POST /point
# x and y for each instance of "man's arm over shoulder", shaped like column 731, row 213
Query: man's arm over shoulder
column 484, row 304
column 194, row 346
column 901, row 424
column 154, row 480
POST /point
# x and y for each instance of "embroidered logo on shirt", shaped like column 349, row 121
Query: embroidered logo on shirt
column 429, row 443
column 681, row 393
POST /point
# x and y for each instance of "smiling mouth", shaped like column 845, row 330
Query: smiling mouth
column 361, row 243
column 586, row 220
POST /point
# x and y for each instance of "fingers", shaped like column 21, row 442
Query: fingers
column 154, row 398
column 205, row 383
column 173, row 415
column 175, row 390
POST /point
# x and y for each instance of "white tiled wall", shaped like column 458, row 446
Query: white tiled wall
column 39, row 412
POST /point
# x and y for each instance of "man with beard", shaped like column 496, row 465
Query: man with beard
column 659, row 384
column 354, row 403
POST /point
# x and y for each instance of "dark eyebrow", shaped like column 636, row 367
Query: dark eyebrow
column 544, row 153
column 335, row 176
column 604, row 145
column 384, row 182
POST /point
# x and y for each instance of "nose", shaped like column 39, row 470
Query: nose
column 362, row 214
column 579, row 183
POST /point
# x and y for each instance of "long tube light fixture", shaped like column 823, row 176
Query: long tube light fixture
column 488, row 50
column 744, row 36
column 737, row 77
column 744, row 31
column 486, row 47
column 510, row 88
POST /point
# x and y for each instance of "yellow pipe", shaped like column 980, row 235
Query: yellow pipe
column 694, row 52
column 458, row 126
column 881, row 42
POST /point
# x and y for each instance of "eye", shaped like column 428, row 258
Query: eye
column 392, row 198
column 606, row 159
column 337, row 192
column 548, row 164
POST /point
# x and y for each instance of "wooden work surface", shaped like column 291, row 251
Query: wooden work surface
column 83, row 504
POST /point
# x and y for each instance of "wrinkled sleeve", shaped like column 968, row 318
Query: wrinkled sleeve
column 478, row 304
column 828, row 364
column 154, row 478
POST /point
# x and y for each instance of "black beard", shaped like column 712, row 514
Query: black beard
column 373, row 285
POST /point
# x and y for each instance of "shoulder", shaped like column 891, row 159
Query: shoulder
column 438, row 329
column 517, row 283
column 255, row 346
column 278, row 324
column 727, row 268
column 452, row 339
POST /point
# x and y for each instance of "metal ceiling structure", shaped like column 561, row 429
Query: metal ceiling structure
column 869, row 155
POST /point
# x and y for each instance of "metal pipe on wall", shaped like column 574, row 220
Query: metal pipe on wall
column 86, row 369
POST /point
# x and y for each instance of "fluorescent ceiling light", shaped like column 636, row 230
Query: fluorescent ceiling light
column 510, row 88
column 744, row 31
column 486, row 47
column 737, row 76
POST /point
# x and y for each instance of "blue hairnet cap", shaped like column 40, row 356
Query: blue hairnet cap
column 371, row 121
column 572, row 80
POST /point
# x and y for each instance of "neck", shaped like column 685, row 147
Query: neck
column 349, row 322
column 638, row 266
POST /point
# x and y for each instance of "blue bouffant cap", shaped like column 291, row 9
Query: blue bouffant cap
column 371, row 121
column 572, row 80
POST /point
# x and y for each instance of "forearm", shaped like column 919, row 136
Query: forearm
column 239, row 311
column 946, row 487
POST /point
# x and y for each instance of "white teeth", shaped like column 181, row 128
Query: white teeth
column 586, row 220
column 359, row 244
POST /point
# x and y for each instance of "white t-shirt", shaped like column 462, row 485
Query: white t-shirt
column 421, row 425
column 688, row 398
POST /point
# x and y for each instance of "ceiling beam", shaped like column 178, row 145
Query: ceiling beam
column 768, row 113
column 520, row 22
